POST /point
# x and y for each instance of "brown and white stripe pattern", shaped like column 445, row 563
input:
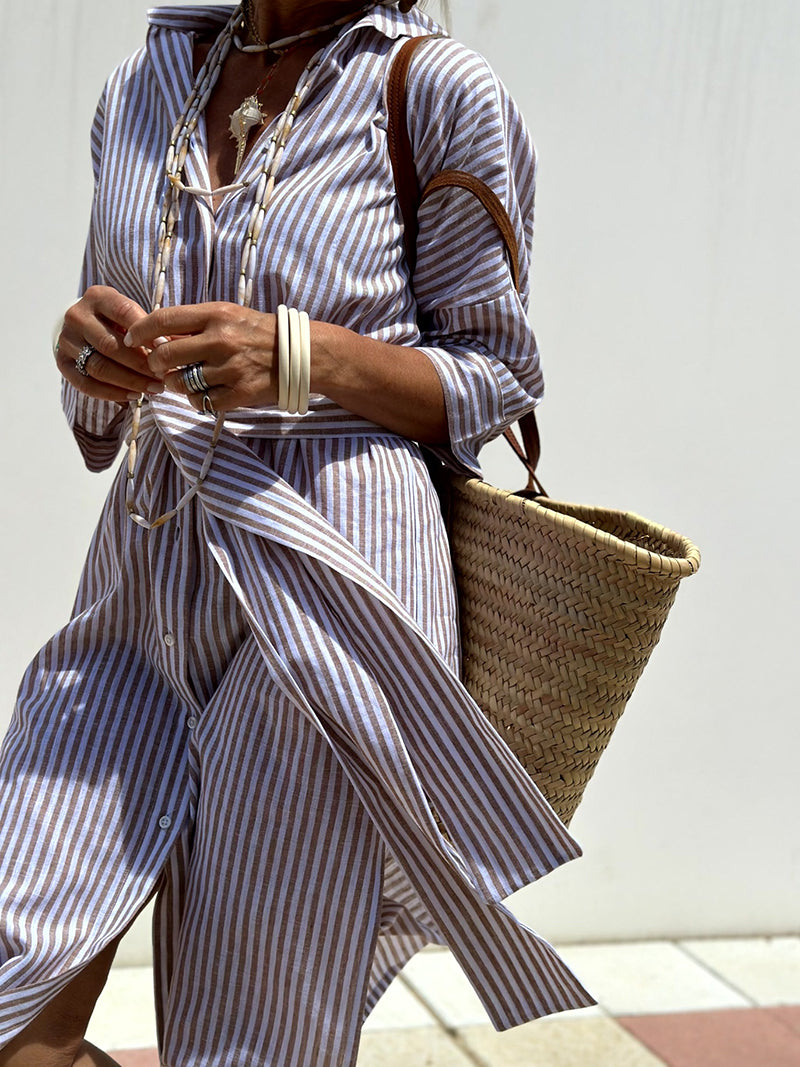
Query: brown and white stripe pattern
column 254, row 711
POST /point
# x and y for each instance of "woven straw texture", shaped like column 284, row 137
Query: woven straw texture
column 561, row 606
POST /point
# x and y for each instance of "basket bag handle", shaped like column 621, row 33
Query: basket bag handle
column 410, row 197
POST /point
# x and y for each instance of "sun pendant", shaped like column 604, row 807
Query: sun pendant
column 244, row 118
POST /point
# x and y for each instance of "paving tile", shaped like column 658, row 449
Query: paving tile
column 745, row 1037
column 576, row 1043
column 439, row 981
column 643, row 977
column 430, row 1047
column 136, row 947
column 789, row 1015
column 423, row 1047
column 766, row 969
column 125, row 1016
column 139, row 1057
column 398, row 1009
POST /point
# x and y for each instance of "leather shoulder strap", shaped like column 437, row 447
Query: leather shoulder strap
column 400, row 152
column 409, row 198
column 405, row 173
column 492, row 204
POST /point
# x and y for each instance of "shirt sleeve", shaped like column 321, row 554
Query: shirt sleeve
column 97, row 425
column 473, row 321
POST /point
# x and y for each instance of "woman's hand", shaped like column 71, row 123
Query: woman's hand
column 392, row 385
column 113, row 371
column 235, row 346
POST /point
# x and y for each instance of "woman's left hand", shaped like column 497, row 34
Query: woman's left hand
column 235, row 346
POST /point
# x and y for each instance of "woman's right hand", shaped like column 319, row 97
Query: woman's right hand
column 101, row 318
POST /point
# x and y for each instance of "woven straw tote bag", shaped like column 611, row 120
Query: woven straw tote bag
column 560, row 604
column 560, row 607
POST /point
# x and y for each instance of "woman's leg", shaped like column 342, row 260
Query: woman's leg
column 89, row 1056
column 55, row 1038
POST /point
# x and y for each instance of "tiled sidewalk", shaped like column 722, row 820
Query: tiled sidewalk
column 695, row 1003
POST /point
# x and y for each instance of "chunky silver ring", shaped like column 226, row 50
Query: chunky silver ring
column 194, row 379
column 208, row 407
column 188, row 382
column 201, row 378
column 83, row 358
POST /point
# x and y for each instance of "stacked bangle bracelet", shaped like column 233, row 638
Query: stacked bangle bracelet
column 294, row 360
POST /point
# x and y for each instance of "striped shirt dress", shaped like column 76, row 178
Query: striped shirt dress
column 254, row 714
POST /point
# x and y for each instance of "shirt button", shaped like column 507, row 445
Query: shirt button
column 169, row 640
column 191, row 722
column 165, row 822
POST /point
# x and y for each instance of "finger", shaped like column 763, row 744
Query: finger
column 107, row 305
column 179, row 352
column 133, row 374
column 109, row 309
column 95, row 389
column 115, row 307
column 166, row 322
column 102, row 369
column 221, row 397
column 176, row 381
column 58, row 328
column 82, row 325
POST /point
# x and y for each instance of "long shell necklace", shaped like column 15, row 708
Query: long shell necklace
column 264, row 182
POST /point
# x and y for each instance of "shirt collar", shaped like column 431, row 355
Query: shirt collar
column 387, row 20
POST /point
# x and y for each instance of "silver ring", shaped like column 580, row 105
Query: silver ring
column 83, row 358
column 194, row 379
column 208, row 407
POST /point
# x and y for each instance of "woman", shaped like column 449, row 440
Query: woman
column 254, row 713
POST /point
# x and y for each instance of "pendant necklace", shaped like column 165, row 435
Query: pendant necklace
column 249, row 114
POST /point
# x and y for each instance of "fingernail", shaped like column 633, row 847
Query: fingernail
column 160, row 341
column 155, row 387
column 127, row 339
column 134, row 396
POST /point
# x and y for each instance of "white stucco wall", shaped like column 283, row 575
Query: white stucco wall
column 665, row 300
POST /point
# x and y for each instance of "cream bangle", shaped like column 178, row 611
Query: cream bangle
column 283, row 357
column 295, row 347
column 305, row 363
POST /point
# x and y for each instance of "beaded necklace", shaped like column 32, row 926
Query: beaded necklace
column 264, row 185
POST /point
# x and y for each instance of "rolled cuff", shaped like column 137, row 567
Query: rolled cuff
column 97, row 426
